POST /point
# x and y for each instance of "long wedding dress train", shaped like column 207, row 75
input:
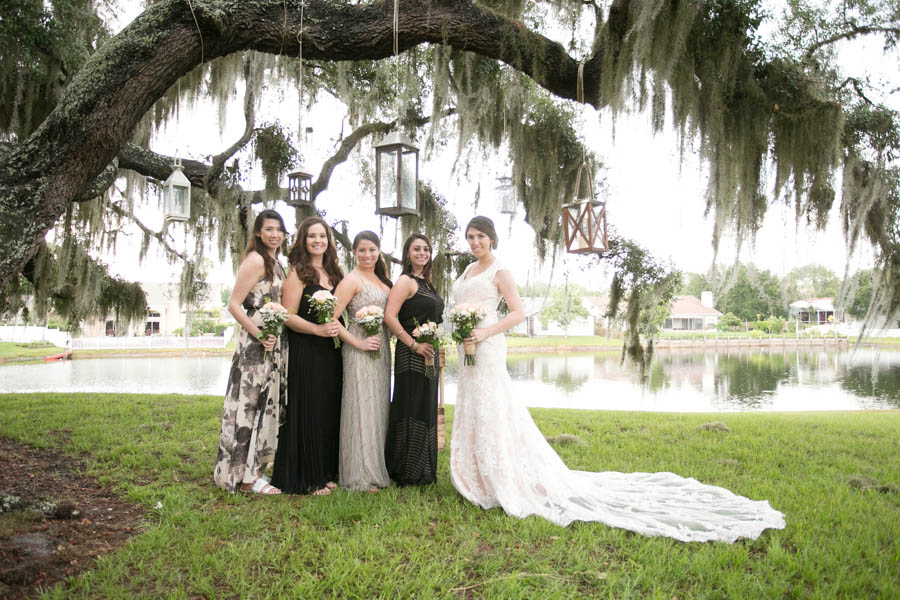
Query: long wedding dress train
column 498, row 457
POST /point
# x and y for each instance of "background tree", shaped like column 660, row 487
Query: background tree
column 811, row 281
column 695, row 284
column 859, row 294
column 729, row 322
column 565, row 306
column 754, row 295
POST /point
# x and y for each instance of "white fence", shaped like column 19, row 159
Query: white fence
column 148, row 342
column 27, row 334
column 852, row 330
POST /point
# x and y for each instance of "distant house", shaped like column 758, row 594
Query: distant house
column 690, row 313
column 817, row 311
column 604, row 325
column 164, row 314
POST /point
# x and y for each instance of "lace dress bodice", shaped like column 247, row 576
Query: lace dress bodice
column 480, row 289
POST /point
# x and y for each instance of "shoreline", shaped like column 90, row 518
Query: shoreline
column 513, row 348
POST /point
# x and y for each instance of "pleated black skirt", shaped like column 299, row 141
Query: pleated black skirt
column 307, row 456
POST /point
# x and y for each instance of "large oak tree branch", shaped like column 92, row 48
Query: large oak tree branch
column 849, row 34
column 158, row 235
column 158, row 166
column 120, row 82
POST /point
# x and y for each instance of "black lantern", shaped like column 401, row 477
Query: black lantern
column 506, row 192
column 584, row 226
column 177, row 195
column 396, row 176
column 298, row 188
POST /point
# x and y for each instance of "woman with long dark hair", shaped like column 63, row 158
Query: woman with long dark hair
column 256, row 384
column 411, row 448
column 367, row 371
column 307, row 458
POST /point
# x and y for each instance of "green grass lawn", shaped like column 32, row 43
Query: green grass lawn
column 840, row 542
column 111, row 352
column 16, row 350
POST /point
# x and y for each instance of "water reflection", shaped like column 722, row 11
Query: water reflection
column 679, row 381
column 727, row 380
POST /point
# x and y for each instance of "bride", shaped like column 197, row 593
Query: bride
column 498, row 456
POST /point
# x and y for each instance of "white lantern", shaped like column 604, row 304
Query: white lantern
column 396, row 176
column 298, row 188
column 506, row 192
column 177, row 195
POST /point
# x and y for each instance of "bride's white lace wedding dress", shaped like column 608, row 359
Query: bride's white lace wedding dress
column 498, row 457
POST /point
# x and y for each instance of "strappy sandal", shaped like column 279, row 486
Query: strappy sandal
column 331, row 485
column 321, row 492
column 261, row 486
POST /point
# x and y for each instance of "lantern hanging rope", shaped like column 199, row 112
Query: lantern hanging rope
column 300, row 180
column 300, row 54
column 584, row 168
column 584, row 220
column 396, row 156
column 397, row 55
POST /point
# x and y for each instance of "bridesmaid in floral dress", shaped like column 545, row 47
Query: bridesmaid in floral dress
column 256, row 384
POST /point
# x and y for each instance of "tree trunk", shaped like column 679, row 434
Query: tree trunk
column 107, row 98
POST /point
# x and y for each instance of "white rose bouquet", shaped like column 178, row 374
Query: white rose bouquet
column 322, row 303
column 428, row 333
column 273, row 317
column 370, row 319
column 464, row 318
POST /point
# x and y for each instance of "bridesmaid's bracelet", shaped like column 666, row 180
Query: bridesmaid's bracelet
column 414, row 346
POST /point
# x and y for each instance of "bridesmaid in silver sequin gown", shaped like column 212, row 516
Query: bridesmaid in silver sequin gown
column 367, row 371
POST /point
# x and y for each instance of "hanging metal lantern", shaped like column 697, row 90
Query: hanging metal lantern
column 298, row 188
column 584, row 226
column 396, row 176
column 177, row 195
column 506, row 192
column 584, row 221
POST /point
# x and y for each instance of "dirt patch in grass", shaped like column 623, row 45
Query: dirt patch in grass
column 56, row 522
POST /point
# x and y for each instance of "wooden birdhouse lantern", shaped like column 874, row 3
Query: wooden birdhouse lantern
column 298, row 188
column 396, row 176
column 584, row 221
column 506, row 192
column 177, row 195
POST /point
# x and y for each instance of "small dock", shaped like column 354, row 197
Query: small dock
column 60, row 356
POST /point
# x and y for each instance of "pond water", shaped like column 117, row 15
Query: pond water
column 678, row 382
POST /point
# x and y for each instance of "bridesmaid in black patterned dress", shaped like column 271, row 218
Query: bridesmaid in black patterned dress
column 411, row 448
column 307, row 457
